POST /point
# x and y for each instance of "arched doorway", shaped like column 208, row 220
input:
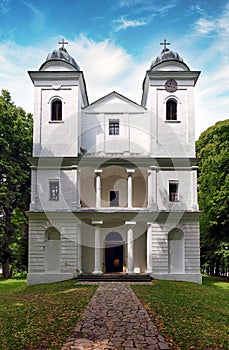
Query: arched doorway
column 176, row 251
column 52, row 250
column 113, row 252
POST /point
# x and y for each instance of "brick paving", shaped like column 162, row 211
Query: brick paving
column 115, row 319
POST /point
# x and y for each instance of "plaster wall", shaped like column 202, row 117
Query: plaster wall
column 172, row 138
column 39, row 272
column 134, row 122
column 67, row 189
column 185, row 190
column 56, row 138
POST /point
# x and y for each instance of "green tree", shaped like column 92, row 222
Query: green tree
column 15, row 147
column 213, row 184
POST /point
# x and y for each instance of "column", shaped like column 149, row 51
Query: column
column 97, row 267
column 149, row 247
column 195, row 206
column 98, row 188
column 130, row 188
column 74, row 202
column 152, row 188
column 79, row 241
column 130, row 246
column 33, row 187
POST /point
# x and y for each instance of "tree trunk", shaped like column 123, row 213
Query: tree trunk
column 6, row 266
column 217, row 266
column 212, row 265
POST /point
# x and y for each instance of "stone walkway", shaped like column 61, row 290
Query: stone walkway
column 115, row 319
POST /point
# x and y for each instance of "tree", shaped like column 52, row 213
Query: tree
column 213, row 184
column 16, row 146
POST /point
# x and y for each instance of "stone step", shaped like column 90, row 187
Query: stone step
column 114, row 278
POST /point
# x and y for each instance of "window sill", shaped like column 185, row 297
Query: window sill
column 172, row 121
column 55, row 121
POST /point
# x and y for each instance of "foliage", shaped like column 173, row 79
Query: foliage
column 213, row 181
column 42, row 316
column 16, row 146
column 191, row 315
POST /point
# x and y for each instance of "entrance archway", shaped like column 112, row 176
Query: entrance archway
column 113, row 252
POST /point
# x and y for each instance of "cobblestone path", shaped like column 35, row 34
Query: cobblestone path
column 115, row 319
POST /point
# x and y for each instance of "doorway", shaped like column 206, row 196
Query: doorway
column 113, row 253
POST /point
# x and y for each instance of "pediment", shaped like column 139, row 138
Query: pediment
column 114, row 103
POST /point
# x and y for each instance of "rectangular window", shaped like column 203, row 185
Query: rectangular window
column 114, row 198
column 173, row 191
column 114, row 127
column 54, row 190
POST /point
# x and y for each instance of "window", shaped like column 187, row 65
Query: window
column 173, row 191
column 114, row 198
column 56, row 112
column 113, row 127
column 171, row 110
column 54, row 190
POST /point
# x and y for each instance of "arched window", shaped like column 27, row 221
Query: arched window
column 171, row 110
column 56, row 110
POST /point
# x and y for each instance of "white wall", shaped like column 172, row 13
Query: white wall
column 185, row 194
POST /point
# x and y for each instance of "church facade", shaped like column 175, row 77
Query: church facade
column 114, row 183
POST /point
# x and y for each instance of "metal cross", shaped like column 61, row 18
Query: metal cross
column 164, row 43
column 63, row 43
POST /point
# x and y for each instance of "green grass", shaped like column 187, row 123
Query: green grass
column 193, row 316
column 42, row 316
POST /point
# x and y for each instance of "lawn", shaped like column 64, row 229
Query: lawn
column 193, row 316
column 42, row 316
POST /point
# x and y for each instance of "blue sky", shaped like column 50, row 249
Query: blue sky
column 114, row 42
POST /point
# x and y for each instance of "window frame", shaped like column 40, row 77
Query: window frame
column 171, row 103
column 54, row 193
column 114, row 127
column 173, row 191
column 57, row 113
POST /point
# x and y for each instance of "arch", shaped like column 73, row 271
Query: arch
column 171, row 109
column 52, row 250
column 176, row 251
column 52, row 234
column 114, row 186
column 113, row 252
column 113, row 236
column 56, row 109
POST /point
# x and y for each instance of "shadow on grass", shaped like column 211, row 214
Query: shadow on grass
column 219, row 282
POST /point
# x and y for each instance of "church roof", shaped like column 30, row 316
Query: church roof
column 165, row 56
column 61, row 55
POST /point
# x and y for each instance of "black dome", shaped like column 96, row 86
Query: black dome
column 61, row 55
column 167, row 55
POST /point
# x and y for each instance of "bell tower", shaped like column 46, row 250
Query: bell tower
column 168, row 93
column 60, row 93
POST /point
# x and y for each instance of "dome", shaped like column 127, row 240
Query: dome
column 61, row 55
column 165, row 56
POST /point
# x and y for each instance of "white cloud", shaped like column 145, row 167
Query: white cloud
column 204, row 26
column 15, row 61
column 4, row 6
column 39, row 17
column 124, row 24
column 107, row 67
column 208, row 24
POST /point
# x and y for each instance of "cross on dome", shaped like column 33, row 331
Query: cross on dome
column 165, row 43
column 62, row 42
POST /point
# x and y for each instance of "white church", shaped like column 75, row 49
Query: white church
column 114, row 183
